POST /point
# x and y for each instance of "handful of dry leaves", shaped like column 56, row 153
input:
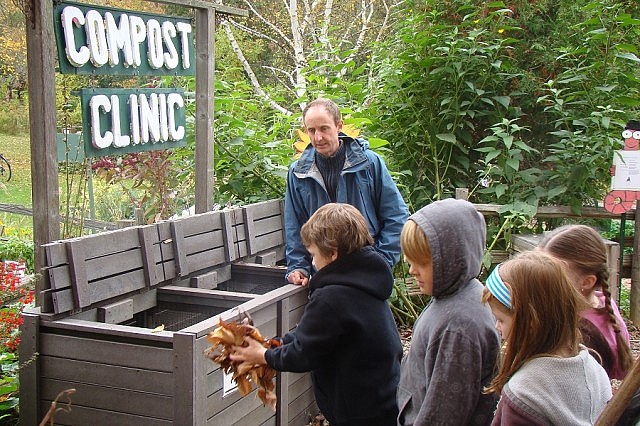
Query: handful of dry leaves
column 244, row 373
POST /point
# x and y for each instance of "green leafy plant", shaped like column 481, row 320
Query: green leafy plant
column 18, row 249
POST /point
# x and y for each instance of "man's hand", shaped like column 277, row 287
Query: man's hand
column 297, row 278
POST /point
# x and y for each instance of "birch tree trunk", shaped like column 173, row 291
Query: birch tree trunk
column 303, row 32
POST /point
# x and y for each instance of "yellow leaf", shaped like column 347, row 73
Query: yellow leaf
column 349, row 130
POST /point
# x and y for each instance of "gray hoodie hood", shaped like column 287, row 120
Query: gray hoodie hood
column 455, row 222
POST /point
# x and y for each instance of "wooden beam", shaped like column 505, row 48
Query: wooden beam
column 208, row 5
column 42, row 124
column 634, row 294
column 205, row 68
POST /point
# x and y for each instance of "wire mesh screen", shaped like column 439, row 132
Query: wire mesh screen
column 174, row 317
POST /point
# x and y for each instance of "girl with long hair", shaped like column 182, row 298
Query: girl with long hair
column 545, row 375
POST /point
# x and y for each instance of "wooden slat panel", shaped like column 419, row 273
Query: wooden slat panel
column 167, row 255
column 267, row 242
column 230, row 243
column 106, row 243
column 202, row 223
column 282, row 382
column 206, row 259
column 29, row 371
column 83, row 416
column 112, row 399
column 250, row 226
column 79, row 282
column 62, row 301
column 59, row 277
column 148, row 236
column 205, row 241
column 107, row 352
column 189, row 401
column 177, row 235
column 141, row 336
column 113, row 264
column 55, row 253
column 116, row 286
column 265, row 208
column 135, row 379
column 233, row 413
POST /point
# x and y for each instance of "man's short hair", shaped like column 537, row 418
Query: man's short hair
column 330, row 106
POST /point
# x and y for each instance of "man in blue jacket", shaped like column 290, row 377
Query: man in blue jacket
column 338, row 168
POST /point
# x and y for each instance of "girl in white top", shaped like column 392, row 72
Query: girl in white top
column 546, row 377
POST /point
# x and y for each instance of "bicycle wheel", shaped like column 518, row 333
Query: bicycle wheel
column 5, row 169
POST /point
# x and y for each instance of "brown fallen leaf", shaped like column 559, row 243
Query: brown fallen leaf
column 244, row 374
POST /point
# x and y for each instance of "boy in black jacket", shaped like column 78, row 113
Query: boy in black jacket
column 347, row 336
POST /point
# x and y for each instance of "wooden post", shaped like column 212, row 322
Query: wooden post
column 620, row 400
column 634, row 296
column 205, row 66
column 42, row 124
column 462, row 193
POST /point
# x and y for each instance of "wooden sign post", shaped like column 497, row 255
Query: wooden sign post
column 42, row 114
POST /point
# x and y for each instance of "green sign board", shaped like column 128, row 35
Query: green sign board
column 70, row 149
column 108, row 41
column 120, row 121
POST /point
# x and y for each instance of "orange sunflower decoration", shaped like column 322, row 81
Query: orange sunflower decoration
column 303, row 139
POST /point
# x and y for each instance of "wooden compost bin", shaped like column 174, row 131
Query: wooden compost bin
column 125, row 314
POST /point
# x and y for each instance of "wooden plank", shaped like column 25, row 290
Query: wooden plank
column 198, row 261
column 166, row 261
column 95, row 417
column 114, row 264
column 118, row 286
column 139, row 335
column 205, row 241
column 560, row 212
column 282, row 382
column 148, row 238
column 205, row 66
column 42, row 130
column 202, row 223
column 59, row 277
column 208, row 281
column 55, row 254
column 189, row 399
column 634, row 294
column 233, row 413
column 134, row 379
column 107, row 352
column 250, row 226
column 206, row 4
column 62, row 301
column 29, row 368
column 198, row 296
column 182, row 268
column 79, row 282
column 117, row 312
column 106, row 243
column 230, row 243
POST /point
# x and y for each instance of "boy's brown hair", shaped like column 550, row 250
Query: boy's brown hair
column 545, row 309
column 336, row 227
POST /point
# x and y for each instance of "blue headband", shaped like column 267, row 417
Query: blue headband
column 498, row 289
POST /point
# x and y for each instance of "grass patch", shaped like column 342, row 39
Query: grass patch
column 17, row 150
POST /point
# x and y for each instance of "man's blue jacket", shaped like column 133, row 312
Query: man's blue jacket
column 364, row 182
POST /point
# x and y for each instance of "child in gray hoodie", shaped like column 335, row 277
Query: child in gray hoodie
column 454, row 345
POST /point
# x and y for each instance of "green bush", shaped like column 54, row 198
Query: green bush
column 14, row 248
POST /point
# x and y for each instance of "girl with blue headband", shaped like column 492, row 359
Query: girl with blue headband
column 545, row 375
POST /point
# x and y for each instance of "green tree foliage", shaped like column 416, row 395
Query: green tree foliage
column 518, row 101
